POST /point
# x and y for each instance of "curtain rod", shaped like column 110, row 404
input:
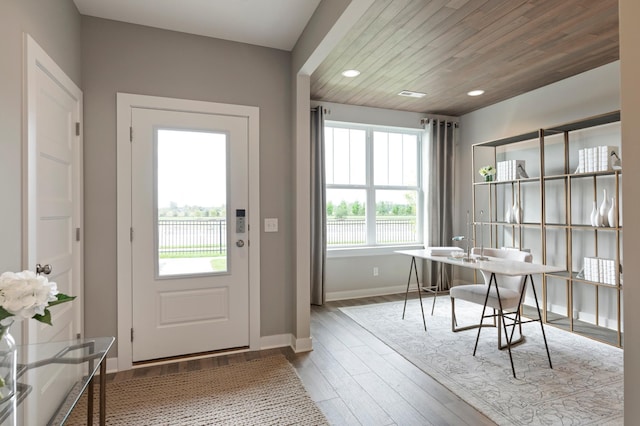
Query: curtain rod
column 442, row 121
column 326, row 111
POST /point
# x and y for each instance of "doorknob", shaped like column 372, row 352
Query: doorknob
column 240, row 243
column 46, row 269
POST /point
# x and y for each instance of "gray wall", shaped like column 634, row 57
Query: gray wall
column 119, row 57
column 55, row 26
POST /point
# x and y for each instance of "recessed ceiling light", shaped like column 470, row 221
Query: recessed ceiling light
column 475, row 92
column 351, row 73
column 412, row 94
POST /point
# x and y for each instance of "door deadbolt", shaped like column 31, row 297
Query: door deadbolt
column 240, row 243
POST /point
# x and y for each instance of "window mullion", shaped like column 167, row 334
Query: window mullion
column 371, row 197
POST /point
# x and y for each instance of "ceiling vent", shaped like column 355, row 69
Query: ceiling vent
column 411, row 94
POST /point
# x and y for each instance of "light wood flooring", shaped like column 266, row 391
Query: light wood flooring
column 353, row 377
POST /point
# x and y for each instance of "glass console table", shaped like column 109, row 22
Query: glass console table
column 51, row 378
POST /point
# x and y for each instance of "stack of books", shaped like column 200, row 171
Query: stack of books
column 597, row 159
column 511, row 170
column 600, row 270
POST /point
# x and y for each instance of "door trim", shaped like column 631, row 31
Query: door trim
column 127, row 101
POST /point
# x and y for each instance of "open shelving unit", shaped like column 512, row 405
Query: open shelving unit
column 555, row 202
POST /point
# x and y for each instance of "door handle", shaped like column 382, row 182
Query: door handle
column 240, row 243
column 46, row 269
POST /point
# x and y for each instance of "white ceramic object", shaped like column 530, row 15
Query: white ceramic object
column 516, row 212
column 612, row 216
column 593, row 218
column 507, row 215
column 604, row 210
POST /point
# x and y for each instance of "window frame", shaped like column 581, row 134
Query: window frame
column 372, row 247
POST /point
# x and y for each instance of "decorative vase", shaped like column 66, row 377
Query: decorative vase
column 488, row 178
column 508, row 215
column 604, row 210
column 8, row 364
column 593, row 218
column 612, row 216
column 516, row 212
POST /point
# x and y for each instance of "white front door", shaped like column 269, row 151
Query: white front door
column 189, row 239
column 53, row 189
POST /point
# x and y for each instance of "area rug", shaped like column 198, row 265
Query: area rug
column 585, row 386
column 264, row 391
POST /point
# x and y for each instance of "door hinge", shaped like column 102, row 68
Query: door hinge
column 78, row 128
column 131, row 134
column 77, row 234
column 132, row 334
column 78, row 335
column 130, row 234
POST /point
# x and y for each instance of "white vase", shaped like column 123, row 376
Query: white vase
column 612, row 215
column 507, row 215
column 593, row 218
column 604, row 210
column 516, row 212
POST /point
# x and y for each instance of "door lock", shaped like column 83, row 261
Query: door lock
column 46, row 269
column 240, row 243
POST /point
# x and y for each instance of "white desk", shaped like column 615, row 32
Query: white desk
column 494, row 266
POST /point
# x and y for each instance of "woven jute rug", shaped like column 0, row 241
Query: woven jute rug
column 264, row 391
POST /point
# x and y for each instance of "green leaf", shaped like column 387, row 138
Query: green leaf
column 4, row 314
column 62, row 298
column 46, row 318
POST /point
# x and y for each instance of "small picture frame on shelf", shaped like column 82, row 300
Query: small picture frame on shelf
column 521, row 173
column 616, row 162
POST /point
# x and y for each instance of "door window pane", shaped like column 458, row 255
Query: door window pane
column 191, row 194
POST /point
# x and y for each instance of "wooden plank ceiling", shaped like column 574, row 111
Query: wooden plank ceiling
column 445, row 48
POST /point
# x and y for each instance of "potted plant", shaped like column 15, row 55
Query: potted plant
column 487, row 172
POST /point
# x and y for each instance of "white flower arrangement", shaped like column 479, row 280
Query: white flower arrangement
column 487, row 171
column 28, row 295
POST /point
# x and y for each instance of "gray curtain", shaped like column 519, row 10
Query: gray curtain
column 318, row 208
column 442, row 136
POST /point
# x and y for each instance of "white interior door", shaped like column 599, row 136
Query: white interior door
column 54, row 189
column 190, row 266
column 53, row 222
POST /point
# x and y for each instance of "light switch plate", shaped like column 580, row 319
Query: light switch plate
column 271, row 224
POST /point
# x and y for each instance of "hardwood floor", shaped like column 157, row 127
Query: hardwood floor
column 353, row 377
column 356, row 379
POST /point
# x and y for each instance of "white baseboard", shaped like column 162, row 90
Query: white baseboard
column 282, row 340
column 302, row 345
column 276, row 341
column 367, row 292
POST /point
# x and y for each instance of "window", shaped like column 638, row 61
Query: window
column 373, row 186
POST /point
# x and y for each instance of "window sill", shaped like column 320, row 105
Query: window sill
column 369, row 251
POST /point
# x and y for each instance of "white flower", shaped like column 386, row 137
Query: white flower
column 25, row 294
column 487, row 170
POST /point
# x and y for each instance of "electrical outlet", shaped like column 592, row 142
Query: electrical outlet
column 375, row 271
